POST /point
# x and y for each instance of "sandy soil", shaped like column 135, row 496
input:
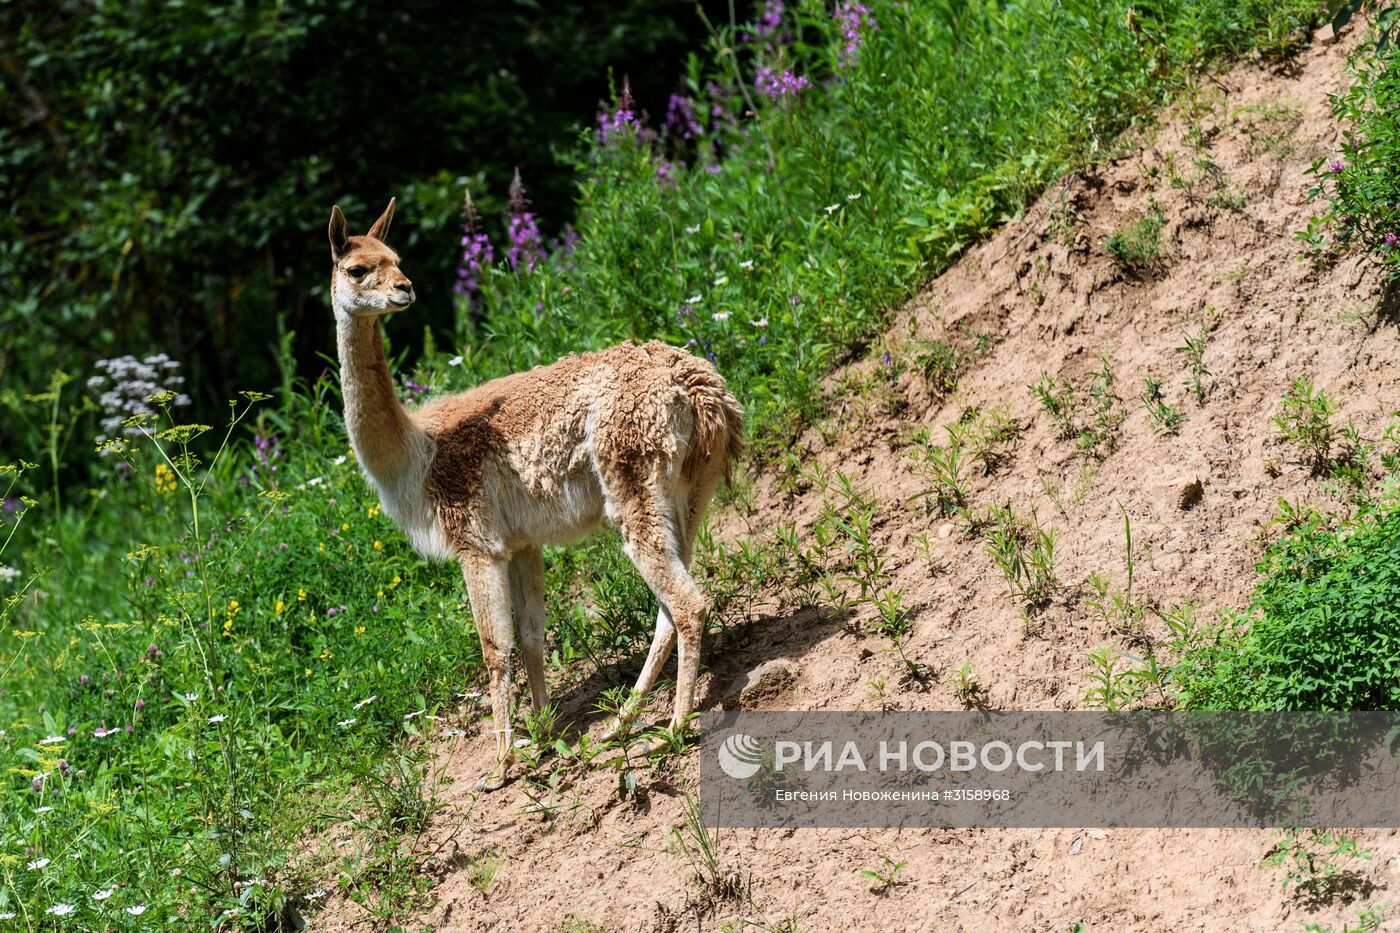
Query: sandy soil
column 1051, row 300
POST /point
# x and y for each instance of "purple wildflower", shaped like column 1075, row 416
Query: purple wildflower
column 665, row 174
column 1337, row 166
column 1389, row 239
column 63, row 767
column 524, row 234
column 777, row 85
column 37, row 784
column 84, row 680
column 10, row 505
column 712, row 168
column 768, row 27
column 622, row 121
column 684, row 311
column 681, row 122
column 140, row 704
column 477, row 254
column 420, row 389
column 854, row 19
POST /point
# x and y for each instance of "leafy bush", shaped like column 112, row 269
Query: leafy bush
column 1362, row 184
column 1322, row 631
column 1138, row 248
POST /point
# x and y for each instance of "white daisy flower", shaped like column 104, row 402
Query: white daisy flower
column 339, row 460
column 454, row 733
column 347, row 722
column 367, row 701
column 53, row 740
column 693, row 300
column 191, row 697
column 720, row 315
column 721, row 280
column 414, row 714
column 101, row 732
column 103, row 895
column 8, row 573
column 693, row 229
column 853, row 197
column 316, row 895
column 455, row 361
column 61, row 910
column 37, row 864
column 219, row 718
column 44, row 810
column 522, row 743
column 831, row 209
column 761, row 322
column 136, row 911
column 7, row 915
column 746, row 264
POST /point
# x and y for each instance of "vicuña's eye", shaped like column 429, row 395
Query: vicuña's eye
column 357, row 271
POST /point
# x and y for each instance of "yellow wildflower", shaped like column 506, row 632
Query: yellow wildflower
column 301, row 595
column 379, row 545
column 281, row 606
column 165, row 479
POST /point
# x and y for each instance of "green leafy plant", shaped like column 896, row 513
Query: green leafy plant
column 1138, row 247
column 1166, row 418
column 1317, row 863
column 1306, row 422
column 885, row 877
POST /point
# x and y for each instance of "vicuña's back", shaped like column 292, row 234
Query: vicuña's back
column 542, row 457
column 637, row 437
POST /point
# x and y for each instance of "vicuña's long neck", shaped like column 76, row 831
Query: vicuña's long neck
column 379, row 427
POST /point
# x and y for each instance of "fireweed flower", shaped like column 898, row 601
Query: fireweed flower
column 681, row 122
column 776, row 85
column 524, row 234
column 622, row 121
column 854, row 19
column 477, row 254
column 665, row 174
column 768, row 28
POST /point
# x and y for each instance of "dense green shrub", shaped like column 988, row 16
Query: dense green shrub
column 1322, row 631
column 1361, row 184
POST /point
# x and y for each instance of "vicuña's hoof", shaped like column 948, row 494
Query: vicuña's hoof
column 491, row 782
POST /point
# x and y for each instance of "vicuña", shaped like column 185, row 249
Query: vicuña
column 634, row 436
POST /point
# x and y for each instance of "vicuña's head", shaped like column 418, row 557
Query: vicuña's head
column 365, row 276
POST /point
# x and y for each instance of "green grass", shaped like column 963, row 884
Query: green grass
column 235, row 598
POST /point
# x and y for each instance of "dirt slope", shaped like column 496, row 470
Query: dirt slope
column 1053, row 301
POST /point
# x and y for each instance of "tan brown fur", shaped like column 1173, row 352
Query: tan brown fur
column 636, row 437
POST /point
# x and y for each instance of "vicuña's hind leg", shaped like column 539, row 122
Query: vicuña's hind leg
column 527, row 596
column 659, row 545
column 488, row 589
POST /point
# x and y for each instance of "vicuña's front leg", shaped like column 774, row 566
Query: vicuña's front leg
column 488, row 588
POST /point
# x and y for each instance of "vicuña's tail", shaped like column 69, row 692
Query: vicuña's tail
column 719, row 421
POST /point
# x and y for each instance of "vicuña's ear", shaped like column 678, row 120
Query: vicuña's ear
column 338, row 234
column 380, row 230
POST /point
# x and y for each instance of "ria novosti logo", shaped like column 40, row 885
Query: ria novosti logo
column 741, row 756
